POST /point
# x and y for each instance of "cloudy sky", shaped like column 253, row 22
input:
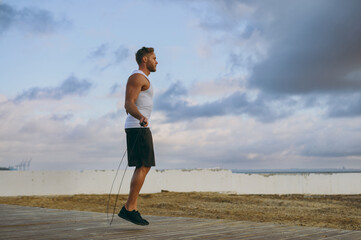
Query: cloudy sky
column 239, row 84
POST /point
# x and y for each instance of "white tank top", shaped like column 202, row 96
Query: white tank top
column 144, row 104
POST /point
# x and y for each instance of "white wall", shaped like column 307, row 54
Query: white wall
column 15, row 183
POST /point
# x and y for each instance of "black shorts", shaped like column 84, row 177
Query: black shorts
column 140, row 147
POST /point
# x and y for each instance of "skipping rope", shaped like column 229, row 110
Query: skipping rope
column 121, row 182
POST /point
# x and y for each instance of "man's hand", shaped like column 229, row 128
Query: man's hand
column 143, row 121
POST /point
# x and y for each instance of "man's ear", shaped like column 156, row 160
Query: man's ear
column 145, row 58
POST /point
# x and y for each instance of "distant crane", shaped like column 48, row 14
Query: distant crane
column 24, row 165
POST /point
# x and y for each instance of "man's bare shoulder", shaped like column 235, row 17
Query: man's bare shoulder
column 137, row 78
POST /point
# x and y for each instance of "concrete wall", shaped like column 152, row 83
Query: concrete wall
column 16, row 183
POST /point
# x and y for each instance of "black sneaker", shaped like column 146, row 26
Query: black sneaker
column 132, row 216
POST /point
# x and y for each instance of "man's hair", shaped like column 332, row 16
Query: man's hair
column 144, row 51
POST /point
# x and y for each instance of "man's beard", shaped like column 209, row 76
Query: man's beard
column 151, row 68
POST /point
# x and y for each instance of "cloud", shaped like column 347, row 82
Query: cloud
column 330, row 141
column 57, row 138
column 348, row 105
column 29, row 19
column 232, row 26
column 313, row 47
column 174, row 103
column 100, row 52
column 115, row 88
column 217, row 87
column 308, row 50
column 223, row 16
column 70, row 86
column 115, row 115
column 233, row 142
column 121, row 53
column 6, row 17
column 61, row 117
column 298, row 47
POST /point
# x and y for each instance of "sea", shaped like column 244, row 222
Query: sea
column 297, row 170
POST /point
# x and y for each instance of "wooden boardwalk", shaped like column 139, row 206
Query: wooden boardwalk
column 25, row 223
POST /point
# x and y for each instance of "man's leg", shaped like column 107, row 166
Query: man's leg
column 136, row 184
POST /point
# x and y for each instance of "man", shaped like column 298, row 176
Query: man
column 138, row 105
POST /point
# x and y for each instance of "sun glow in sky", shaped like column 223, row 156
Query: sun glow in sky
column 239, row 84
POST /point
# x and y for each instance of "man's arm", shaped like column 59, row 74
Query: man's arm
column 134, row 86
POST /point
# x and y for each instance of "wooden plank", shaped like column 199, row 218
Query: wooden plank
column 18, row 222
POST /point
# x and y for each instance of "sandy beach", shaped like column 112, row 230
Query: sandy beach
column 332, row 211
